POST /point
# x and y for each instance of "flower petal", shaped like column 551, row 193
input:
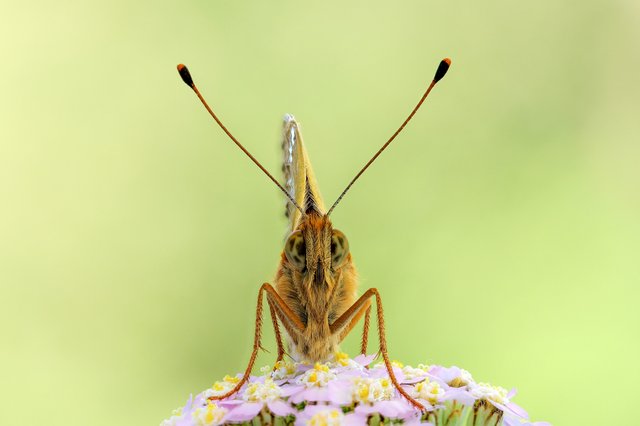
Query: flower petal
column 511, row 408
column 365, row 360
column 394, row 409
column 280, row 408
column 340, row 392
column 245, row 412
column 311, row 394
column 355, row 419
column 460, row 395
column 288, row 390
column 517, row 410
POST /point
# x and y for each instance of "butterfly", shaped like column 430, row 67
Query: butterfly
column 314, row 294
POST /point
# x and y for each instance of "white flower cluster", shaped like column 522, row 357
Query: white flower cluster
column 347, row 391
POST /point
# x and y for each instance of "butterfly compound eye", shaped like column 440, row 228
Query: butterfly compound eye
column 339, row 248
column 296, row 250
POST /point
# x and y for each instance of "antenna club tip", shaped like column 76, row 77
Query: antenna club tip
column 442, row 69
column 185, row 74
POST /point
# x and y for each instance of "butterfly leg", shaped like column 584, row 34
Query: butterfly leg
column 344, row 324
column 276, row 330
column 366, row 310
column 290, row 321
column 365, row 332
column 277, row 305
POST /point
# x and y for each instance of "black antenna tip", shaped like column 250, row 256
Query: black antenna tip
column 186, row 76
column 442, row 69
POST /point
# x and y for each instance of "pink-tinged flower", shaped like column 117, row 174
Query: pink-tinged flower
column 452, row 376
column 369, row 390
column 221, row 387
column 317, row 377
column 460, row 395
column 414, row 375
column 428, row 391
column 342, row 361
column 499, row 398
column 314, row 384
column 285, row 371
column 256, row 396
column 377, row 396
column 365, row 360
column 209, row 415
column 379, row 370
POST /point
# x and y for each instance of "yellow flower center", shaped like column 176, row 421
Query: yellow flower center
column 209, row 415
column 321, row 367
column 363, row 392
column 230, row 379
column 342, row 359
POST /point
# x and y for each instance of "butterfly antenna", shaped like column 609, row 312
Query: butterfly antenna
column 440, row 72
column 186, row 77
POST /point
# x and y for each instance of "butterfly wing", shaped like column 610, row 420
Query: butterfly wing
column 299, row 179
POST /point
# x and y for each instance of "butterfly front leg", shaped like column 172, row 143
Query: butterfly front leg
column 279, row 310
column 288, row 318
column 347, row 320
column 346, row 328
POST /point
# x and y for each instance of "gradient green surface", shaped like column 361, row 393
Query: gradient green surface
column 502, row 228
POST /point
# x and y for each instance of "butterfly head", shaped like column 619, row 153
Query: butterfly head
column 316, row 251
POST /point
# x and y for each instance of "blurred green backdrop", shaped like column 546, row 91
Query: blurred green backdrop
column 502, row 227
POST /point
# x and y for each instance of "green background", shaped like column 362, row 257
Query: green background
column 502, row 227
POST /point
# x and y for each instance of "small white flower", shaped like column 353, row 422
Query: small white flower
column 381, row 364
column 284, row 370
column 488, row 391
column 411, row 373
column 320, row 375
column 464, row 379
column 372, row 390
column 262, row 392
column 209, row 415
column 429, row 391
column 221, row 387
column 341, row 359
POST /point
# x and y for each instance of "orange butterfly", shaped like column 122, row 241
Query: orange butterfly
column 314, row 297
